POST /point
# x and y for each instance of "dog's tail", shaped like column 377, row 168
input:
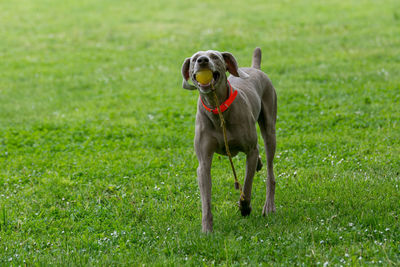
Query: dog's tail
column 256, row 62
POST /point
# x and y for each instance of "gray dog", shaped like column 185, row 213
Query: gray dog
column 247, row 97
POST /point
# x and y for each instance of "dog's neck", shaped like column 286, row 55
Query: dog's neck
column 222, row 93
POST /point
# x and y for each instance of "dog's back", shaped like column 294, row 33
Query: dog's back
column 257, row 81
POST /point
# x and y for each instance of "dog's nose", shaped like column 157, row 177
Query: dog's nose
column 203, row 60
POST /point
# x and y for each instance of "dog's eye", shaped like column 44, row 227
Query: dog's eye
column 214, row 57
column 194, row 59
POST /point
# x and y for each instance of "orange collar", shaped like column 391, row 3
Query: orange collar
column 224, row 106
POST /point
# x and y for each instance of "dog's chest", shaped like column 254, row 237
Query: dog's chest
column 239, row 140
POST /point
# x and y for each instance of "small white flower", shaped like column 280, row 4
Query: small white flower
column 326, row 263
column 351, row 224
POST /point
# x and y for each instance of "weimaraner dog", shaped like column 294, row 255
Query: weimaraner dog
column 247, row 97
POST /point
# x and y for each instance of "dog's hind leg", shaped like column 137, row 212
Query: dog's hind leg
column 252, row 162
column 266, row 122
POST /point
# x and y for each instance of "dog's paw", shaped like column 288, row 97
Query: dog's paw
column 244, row 207
column 207, row 226
column 207, row 222
column 269, row 207
column 206, row 230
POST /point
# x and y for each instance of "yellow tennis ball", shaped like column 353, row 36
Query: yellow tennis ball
column 204, row 76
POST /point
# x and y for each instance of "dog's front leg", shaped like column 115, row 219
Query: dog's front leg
column 204, row 178
column 204, row 151
column 251, row 165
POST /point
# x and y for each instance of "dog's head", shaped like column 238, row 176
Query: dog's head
column 218, row 63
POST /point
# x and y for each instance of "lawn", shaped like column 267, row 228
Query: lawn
column 97, row 165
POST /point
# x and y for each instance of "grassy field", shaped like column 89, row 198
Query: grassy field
column 96, row 134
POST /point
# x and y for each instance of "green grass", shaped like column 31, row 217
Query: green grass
column 96, row 135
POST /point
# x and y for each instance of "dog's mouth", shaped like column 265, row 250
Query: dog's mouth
column 203, row 84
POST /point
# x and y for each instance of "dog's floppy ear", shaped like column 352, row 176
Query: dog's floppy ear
column 185, row 74
column 232, row 66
